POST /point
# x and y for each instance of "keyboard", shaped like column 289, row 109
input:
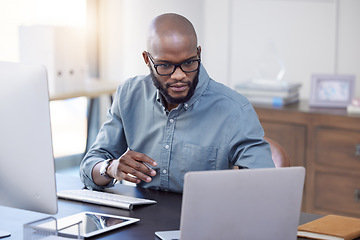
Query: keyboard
column 103, row 198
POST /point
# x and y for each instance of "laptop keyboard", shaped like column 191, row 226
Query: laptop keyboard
column 103, row 198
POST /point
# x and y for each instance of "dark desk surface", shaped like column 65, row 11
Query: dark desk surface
column 165, row 215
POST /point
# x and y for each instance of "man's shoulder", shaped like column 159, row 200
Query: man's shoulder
column 227, row 94
column 137, row 87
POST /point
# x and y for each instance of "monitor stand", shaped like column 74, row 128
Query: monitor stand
column 4, row 234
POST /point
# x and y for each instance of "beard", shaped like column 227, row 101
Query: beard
column 164, row 89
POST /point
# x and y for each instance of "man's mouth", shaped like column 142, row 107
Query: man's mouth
column 178, row 87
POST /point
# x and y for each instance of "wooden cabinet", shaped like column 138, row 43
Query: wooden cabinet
column 290, row 136
column 338, row 147
column 336, row 192
column 327, row 143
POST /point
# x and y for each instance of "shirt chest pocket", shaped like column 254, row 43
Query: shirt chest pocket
column 197, row 158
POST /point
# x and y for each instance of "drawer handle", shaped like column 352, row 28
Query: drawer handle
column 357, row 149
column 357, row 195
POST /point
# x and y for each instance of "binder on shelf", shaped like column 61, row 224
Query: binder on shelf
column 274, row 101
column 267, row 85
column 275, row 93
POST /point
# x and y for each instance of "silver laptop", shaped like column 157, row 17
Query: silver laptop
column 240, row 204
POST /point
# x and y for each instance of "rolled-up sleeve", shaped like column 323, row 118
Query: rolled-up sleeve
column 110, row 143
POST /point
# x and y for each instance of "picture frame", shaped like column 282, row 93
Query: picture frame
column 331, row 91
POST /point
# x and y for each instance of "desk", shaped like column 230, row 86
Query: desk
column 165, row 215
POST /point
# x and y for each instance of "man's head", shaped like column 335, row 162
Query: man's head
column 173, row 57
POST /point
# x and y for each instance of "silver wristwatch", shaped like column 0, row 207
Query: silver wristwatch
column 104, row 166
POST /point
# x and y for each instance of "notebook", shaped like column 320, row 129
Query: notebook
column 240, row 204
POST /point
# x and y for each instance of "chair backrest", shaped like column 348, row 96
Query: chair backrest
column 278, row 154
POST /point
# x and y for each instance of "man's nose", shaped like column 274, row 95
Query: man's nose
column 178, row 74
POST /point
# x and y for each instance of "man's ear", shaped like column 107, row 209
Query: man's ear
column 146, row 58
column 199, row 50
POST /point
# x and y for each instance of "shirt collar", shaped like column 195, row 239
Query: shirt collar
column 204, row 80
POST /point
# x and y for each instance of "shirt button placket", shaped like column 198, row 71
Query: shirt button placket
column 164, row 173
column 170, row 128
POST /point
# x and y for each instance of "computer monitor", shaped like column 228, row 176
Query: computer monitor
column 27, row 171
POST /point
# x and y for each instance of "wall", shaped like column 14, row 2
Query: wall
column 301, row 32
column 124, row 35
column 304, row 35
column 308, row 36
column 349, row 39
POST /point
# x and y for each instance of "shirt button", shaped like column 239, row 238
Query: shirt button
column 186, row 105
column 164, row 171
column 171, row 120
column 167, row 146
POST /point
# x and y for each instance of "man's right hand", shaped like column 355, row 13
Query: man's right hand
column 131, row 166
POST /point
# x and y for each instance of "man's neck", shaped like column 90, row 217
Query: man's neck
column 170, row 106
column 167, row 105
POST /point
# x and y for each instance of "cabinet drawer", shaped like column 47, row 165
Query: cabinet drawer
column 337, row 193
column 337, row 147
column 291, row 137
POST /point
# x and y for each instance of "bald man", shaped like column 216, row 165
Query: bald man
column 174, row 120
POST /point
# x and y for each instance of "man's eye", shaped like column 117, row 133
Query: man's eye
column 189, row 62
column 165, row 66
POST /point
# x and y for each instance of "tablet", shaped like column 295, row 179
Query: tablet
column 89, row 224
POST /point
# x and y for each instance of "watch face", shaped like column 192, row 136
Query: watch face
column 103, row 167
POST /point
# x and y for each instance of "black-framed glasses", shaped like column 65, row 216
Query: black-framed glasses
column 165, row 69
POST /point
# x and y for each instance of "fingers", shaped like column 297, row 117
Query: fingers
column 142, row 158
column 134, row 167
column 123, row 176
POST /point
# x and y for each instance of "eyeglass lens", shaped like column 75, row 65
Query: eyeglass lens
column 187, row 67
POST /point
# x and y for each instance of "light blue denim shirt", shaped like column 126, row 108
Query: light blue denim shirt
column 216, row 129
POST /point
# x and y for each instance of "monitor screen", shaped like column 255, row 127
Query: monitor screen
column 27, row 172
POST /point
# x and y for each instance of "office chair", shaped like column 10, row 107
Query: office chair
column 278, row 154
